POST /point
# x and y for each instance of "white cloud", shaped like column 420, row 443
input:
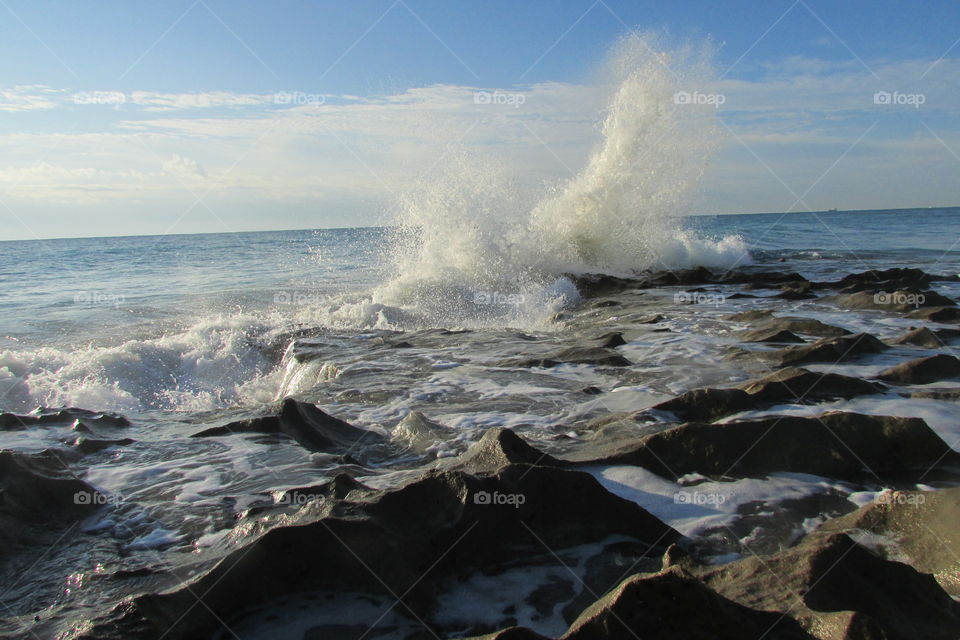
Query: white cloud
column 29, row 98
column 183, row 167
column 799, row 117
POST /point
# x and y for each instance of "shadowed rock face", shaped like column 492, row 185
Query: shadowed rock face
column 769, row 335
column 674, row 604
column 898, row 300
column 82, row 417
column 805, row 326
column 40, row 487
column 836, row 445
column 794, row 384
column 828, row 588
column 306, row 424
column 923, row 370
column 922, row 337
column 829, row 350
column 707, row 404
column 790, row 385
column 599, row 356
column 936, row 314
column 384, row 542
column 837, row 589
column 919, row 525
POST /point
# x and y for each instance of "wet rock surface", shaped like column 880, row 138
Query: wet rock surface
column 583, row 525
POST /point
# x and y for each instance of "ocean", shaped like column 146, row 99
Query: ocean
column 182, row 334
column 89, row 322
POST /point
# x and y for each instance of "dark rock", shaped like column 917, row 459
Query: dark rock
column 92, row 445
column 441, row 524
column 900, row 300
column 603, row 304
column 794, row 384
column 654, row 319
column 921, row 337
column 766, row 336
column 923, row 370
column 946, row 315
column 611, row 340
column 401, row 345
column 53, row 417
column 512, row 633
column 673, row 604
column 707, row 404
column 806, row 326
column 41, row 487
column 574, row 355
column 839, row 590
column 832, row 350
column 309, row 426
column 597, row 285
column 592, row 355
column 500, row 447
column 592, row 391
column 835, row 445
column 697, row 275
column 750, row 316
column 796, row 291
column 937, row 394
column 761, row 279
column 919, row 525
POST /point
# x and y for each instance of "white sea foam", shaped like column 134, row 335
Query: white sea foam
column 475, row 233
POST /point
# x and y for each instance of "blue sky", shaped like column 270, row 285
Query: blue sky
column 133, row 117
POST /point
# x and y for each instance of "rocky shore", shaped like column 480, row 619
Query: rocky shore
column 536, row 527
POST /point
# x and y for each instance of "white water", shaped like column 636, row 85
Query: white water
column 476, row 248
column 477, row 230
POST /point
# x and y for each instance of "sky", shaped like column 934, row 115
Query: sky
column 187, row 116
